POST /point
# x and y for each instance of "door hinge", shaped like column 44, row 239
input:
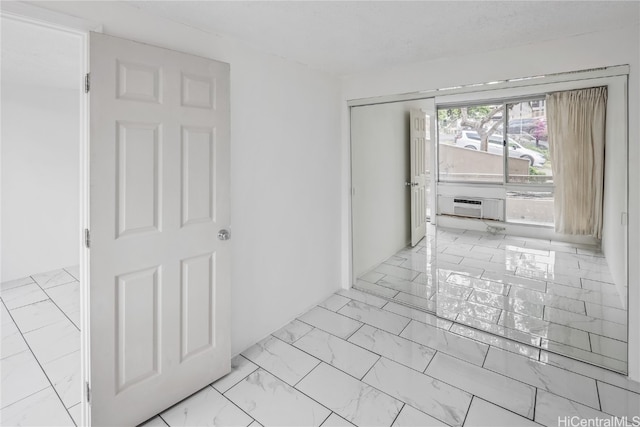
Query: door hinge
column 87, row 238
column 87, row 83
column 88, row 391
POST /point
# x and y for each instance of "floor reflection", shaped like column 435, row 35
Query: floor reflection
column 540, row 293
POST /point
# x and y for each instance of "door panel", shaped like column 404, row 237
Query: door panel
column 159, row 193
column 198, row 299
column 138, row 172
column 137, row 330
column 198, row 175
column 418, row 135
column 422, row 135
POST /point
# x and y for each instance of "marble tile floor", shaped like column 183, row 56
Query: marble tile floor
column 550, row 295
column 40, row 349
column 355, row 359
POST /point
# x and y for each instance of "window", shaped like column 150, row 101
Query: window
column 529, row 161
column 468, row 148
column 530, row 207
column 474, row 147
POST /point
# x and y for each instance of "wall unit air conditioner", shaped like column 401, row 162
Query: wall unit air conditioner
column 467, row 207
column 471, row 207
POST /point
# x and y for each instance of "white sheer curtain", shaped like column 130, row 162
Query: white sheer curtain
column 576, row 127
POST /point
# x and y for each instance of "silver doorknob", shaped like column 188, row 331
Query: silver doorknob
column 411, row 184
column 224, row 234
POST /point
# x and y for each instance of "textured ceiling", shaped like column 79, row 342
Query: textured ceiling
column 344, row 37
column 340, row 37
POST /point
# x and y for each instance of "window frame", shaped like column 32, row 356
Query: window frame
column 505, row 136
column 437, row 143
column 506, row 185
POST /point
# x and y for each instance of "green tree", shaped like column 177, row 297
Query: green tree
column 480, row 119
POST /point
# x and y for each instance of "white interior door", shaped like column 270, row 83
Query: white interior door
column 159, row 193
column 419, row 145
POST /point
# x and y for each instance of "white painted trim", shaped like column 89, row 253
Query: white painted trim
column 85, row 254
column 349, row 272
column 80, row 28
column 510, row 84
column 523, row 91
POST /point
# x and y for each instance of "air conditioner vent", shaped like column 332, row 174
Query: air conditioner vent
column 482, row 208
column 468, row 202
column 467, row 207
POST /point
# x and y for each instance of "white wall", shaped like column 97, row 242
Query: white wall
column 380, row 164
column 575, row 53
column 380, row 167
column 40, row 186
column 285, row 137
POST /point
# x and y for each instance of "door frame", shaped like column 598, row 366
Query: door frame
column 79, row 28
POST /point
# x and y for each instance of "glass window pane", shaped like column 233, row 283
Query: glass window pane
column 467, row 145
column 530, row 207
column 528, row 160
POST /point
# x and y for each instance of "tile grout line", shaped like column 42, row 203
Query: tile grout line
column 234, row 404
column 297, row 339
column 163, row 420
column 327, row 363
column 68, row 272
column 41, row 368
column 295, row 388
column 399, row 334
column 381, row 355
column 399, row 412
column 548, row 391
column 429, row 362
column 328, row 416
column 56, row 304
column 473, row 396
column 507, row 409
column 16, row 287
column 346, row 373
column 354, row 332
column 598, row 394
column 485, row 357
column 360, row 381
column 371, row 367
column 2, row 296
column 468, row 392
column 518, row 330
column 237, row 382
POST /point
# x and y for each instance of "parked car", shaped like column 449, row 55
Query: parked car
column 471, row 140
column 523, row 125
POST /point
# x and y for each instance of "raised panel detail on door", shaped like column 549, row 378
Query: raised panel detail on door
column 197, row 294
column 138, row 305
column 139, row 82
column 139, row 170
column 418, row 153
column 198, row 175
column 198, row 91
column 159, row 276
